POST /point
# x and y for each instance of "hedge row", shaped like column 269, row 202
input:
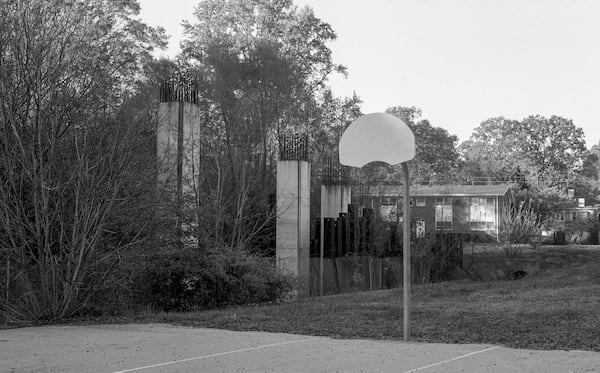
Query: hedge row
column 188, row 280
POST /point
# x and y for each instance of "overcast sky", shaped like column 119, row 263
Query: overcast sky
column 460, row 61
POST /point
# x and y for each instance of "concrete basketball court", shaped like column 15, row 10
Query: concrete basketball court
column 163, row 348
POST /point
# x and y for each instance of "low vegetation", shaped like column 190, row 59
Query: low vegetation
column 555, row 308
column 181, row 280
column 521, row 227
column 188, row 280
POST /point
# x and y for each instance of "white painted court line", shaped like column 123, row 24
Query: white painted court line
column 215, row 355
column 453, row 359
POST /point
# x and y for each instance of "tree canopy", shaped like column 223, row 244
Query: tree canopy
column 436, row 158
column 541, row 150
column 262, row 68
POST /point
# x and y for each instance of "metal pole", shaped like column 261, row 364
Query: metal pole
column 7, row 277
column 7, row 286
column 406, row 253
column 321, row 242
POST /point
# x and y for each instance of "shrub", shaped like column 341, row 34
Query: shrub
column 436, row 257
column 582, row 231
column 186, row 280
column 520, row 225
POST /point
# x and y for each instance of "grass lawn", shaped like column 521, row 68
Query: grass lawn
column 556, row 308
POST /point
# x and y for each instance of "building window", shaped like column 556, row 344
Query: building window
column 478, row 225
column 443, row 213
column 443, row 225
column 443, row 201
column 483, row 213
column 420, row 201
column 388, row 201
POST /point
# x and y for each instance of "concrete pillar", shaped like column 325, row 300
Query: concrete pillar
column 177, row 153
column 167, row 143
column 335, row 199
column 293, row 220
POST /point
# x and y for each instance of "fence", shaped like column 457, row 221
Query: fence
column 364, row 253
column 350, row 233
column 350, row 273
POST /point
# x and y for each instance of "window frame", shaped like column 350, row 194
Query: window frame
column 445, row 203
column 479, row 203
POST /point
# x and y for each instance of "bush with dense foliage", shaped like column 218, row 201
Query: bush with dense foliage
column 185, row 280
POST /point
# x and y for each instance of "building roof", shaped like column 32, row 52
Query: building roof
column 433, row 190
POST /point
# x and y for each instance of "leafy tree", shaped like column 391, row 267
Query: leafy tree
column 66, row 72
column 545, row 151
column 546, row 202
column 492, row 151
column 436, row 156
column 262, row 68
column 591, row 165
column 589, row 169
column 552, row 145
column 408, row 114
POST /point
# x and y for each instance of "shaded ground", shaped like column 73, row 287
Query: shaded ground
column 164, row 348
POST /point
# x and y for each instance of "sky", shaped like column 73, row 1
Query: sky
column 459, row 61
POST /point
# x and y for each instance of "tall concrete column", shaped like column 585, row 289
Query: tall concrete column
column 293, row 214
column 177, row 145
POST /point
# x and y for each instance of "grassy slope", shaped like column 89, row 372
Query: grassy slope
column 557, row 308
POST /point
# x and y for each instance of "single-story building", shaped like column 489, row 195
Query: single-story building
column 441, row 208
